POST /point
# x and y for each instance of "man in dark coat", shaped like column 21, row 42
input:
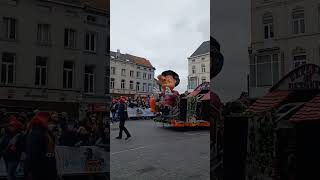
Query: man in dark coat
column 12, row 146
column 123, row 116
column 40, row 150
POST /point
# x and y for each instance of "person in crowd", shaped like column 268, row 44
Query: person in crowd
column 83, row 137
column 54, row 126
column 123, row 116
column 12, row 146
column 40, row 149
column 114, row 110
column 68, row 136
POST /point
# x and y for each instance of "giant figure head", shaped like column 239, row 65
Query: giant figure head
column 169, row 79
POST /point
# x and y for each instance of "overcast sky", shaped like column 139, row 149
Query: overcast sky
column 166, row 32
column 230, row 25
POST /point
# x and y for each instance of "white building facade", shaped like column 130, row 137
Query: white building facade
column 199, row 66
column 284, row 35
column 53, row 55
column 130, row 75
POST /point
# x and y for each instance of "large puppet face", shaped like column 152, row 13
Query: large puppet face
column 169, row 79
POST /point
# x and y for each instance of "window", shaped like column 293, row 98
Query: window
column 41, row 71
column 144, row 75
column 203, row 67
column 123, row 84
column 264, row 70
column 203, row 79
column 10, row 28
column 123, row 72
column 138, row 86
column 112, row 83
column 149, row 87
column 7, row 68
column 149, row 76
column 113, row 70
column 44, row 33
column 298, row 25
column 67, row 74
column 193, row 83
column 12, row 2
column 131, row 85
column 299, row 59
column 138, row 74
column 131, row 73
column 70, row 38
column 193, row 69
column 268, row 26
column 144, row 87
column 203, row 59
column 90, row 42
column 193, row 60
column 89, row 79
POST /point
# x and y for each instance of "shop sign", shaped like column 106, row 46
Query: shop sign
column 306, row 77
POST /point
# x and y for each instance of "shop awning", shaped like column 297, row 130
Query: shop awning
column 310, row 111
column 193, row 93
column 206, row 97
column 269, row 101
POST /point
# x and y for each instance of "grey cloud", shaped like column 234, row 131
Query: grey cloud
column 163, row 31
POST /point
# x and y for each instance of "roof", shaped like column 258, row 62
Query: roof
column 310, row 111
column 194, row 93
column 202, row 49
column 206, row 97
column 134, row 59
column 140, row 60
column 269, row 101
column 96, row 4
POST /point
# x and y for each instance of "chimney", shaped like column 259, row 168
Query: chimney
column 118, row 53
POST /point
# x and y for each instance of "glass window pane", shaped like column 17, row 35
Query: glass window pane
column 275, row 72
column 10, row 73
column 37, row 76
column 70, row 79
column 64, row 79
column 264, row 76
column 13, row 29
column 66, row 38
column 252, row 75
column 43, row 76
column 86, row 83
column 266, row 32
column 91, row 83
column 302, row 26
column 93, row 42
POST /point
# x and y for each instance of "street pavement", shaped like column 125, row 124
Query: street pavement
column 158, row 153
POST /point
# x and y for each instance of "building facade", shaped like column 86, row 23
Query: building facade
column 284, row 35
column 199, row 66
column 130, row 75
column 53, row 55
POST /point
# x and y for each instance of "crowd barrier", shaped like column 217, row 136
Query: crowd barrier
column 139, row 113
column 82, row 160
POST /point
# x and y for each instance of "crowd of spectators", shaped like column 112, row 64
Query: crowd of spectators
column 68, row 131
column 138, row 102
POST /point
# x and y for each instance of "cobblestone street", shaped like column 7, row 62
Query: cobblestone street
column 155, row 152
